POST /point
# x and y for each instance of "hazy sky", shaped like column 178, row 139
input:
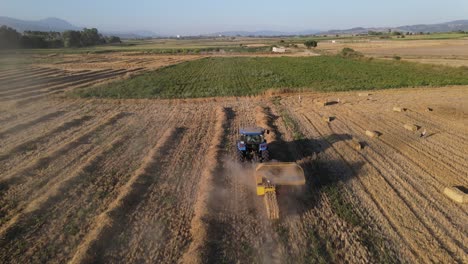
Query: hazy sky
column 207, row 16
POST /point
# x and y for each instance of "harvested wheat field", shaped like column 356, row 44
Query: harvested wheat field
column 114, row 60
column 156, row 181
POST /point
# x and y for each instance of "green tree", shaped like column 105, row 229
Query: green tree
column 9, row 38
column 310, row 43
column 90, row 37
column 72, row 39
column 33, row 42
column 113, row 39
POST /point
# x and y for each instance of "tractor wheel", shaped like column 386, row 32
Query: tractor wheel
column 265, row 156
column 240, row 156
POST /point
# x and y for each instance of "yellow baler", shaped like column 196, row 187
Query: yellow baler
column 272, row 174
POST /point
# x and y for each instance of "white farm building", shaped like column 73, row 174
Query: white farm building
column 279, row 50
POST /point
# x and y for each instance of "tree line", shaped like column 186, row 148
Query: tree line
column 12, row 39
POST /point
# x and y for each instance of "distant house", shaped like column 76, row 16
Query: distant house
column 279, row 50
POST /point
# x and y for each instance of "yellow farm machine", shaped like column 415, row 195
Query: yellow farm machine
column 269, row 176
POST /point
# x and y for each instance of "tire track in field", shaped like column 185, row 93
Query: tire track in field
column 407, row 187
column 234, row 222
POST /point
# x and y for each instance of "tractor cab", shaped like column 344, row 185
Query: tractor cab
column 252, row 145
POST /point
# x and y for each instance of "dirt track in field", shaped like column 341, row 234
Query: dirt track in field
column 137, row 181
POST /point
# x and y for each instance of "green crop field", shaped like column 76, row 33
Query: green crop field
column 238, row 76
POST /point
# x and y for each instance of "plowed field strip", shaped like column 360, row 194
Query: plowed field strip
column 198, row 228
column 21, row 74
column 51, row 81
column 66, row 217
column 28, row 77
column 169, row 190
column 32, row 80
column 74, row 81
column 54, row 189
column 75, row 85
column 7, row 73
column 26, row 148
column 60, row 150
column 31, row 123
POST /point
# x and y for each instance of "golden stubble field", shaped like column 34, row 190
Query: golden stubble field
column 452, row 52
column 155, row 180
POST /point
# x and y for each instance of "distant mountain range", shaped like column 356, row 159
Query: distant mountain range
column 441, row 27
column 48, row 24
column 60, row 25
column 265, row 33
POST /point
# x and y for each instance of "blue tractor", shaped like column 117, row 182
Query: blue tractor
column 252, row 145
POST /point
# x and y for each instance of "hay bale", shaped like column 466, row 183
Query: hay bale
column 372, row 134
column 411, row 127
column 327, row 119
column 456, row 194
column 399, row 109
column 363, row 94
column 356, row 145
column 428, row 109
